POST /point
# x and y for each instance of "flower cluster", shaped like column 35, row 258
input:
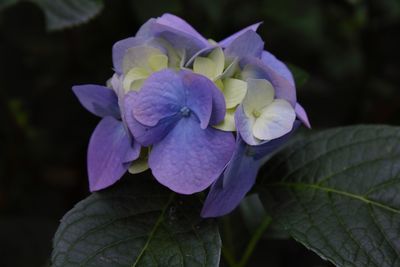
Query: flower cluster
column 198, row 113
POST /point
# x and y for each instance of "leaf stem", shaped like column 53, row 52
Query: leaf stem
column 228, row 256
column 253, row 242
column 155, row 228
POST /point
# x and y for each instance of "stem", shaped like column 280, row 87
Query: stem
column 253, row 242
column 229, row 258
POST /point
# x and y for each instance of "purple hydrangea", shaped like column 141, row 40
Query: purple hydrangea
column 174, row 112
column 196, row 112
column 111, row 147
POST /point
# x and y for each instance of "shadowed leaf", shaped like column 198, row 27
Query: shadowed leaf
column 136, row 223
column 66, row 13
column 338, row 193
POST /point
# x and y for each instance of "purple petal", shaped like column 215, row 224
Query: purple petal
column 109, row 149
column 166, row 92
column 244, row 127
column 162, row 95
column 176, row 31
column 189, row 158
column 241, row 173
column 119, row 50
column 278, row 66
column 256, row 69
column 134, row 152
column 99, row 100
column 200, row 92
column 143, row 134
column 245, row 45
column 145, row 29
column 179, row 24
column 302, row 115
column 227, row 41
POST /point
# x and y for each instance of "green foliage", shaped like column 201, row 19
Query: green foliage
column 254, row 215
column 337, row 192
column 136, row 223
column 252, row 211
column 62, row 14
column 66, row 13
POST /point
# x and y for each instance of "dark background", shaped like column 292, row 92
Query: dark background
column 349, row 48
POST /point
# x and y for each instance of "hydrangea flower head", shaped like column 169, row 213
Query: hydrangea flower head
column 198, row 113
column 174, row 112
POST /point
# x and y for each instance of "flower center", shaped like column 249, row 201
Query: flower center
column 256, row 113
column 185, row 112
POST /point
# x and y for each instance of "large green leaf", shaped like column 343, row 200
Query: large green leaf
column 136, row 223
column 338, row 193
column 66, row 13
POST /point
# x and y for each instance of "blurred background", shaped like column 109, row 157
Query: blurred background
column 345, row 53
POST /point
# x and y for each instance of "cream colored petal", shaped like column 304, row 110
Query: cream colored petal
column 219, row 84
column 212, row 42
column 158, row 62
column 133, row 75
column 230, row 70
column 234, row 92
column 205, row 66
column 275, row 120
column 136, row 85
column 174, row 58
column 138, row 57
column 182, row 57
column 260, row 93
column 217, row 56
column 140, row 165
column 228, row 124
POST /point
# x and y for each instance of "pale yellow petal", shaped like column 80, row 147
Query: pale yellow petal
column 234, row 92
column 230, row 70
column 138, row 57
column 219, row 84
column 275, row 120
column 205, row 66
column 158, row 62
column 212, row 42
column 260, row 93
column 140, row 164
column 228, row 124
column 217, row 56
column 137, row 84
column 134, row 74
column 174, row 58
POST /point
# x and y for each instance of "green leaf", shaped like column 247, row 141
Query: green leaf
column 136, row 223
column 338, row 193
column 66, row 13
column 254, row 215
column 252, row 211
column 7, row 3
